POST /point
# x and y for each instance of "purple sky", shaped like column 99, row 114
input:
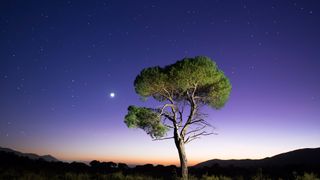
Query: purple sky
column 61, row 60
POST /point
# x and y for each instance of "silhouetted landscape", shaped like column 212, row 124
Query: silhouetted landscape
column 298, row 164
column 111, row 90
column 29, row 155
column 301, row 156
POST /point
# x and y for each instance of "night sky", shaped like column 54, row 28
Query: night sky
column 60, row 60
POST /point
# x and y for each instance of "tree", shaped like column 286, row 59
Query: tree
column 182, row 88
column 123, row 166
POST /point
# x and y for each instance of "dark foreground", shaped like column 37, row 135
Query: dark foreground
column 13, row 166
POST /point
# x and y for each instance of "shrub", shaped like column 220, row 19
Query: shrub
column 206, row 177
column 307, row 176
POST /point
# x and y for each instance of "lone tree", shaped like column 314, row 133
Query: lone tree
column 182, row 88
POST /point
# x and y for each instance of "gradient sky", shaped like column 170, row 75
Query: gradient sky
column 60, row 60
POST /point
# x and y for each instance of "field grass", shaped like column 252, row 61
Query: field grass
column 14, row 175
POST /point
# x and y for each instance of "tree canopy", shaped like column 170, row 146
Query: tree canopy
column 146, row 119
column 182, row 88
column 177, row 80
column 195, row 79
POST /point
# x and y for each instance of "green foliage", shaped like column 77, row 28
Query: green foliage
column 150, row 82
column 121, row 176
column 117, row 176
column 206, row 177
column 177, row 80
column 28, row 175
column 192, row 82
column 260, row 176
column 308, row 176
column 146, row 119
column 73, row 176
column 190, row 177
column 32, row 176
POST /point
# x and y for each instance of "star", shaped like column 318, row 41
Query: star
column 112, row 95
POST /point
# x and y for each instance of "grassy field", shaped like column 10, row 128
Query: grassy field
column 14, row 175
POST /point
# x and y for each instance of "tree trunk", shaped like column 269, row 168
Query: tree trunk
column 183, row 158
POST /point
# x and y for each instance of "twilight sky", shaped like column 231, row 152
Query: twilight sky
column 60, row 60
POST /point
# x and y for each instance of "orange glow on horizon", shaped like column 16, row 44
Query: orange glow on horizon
column 130, row 161
column 74, row 156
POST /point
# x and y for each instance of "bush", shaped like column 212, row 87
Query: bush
column 307, row 176
column 206, row 177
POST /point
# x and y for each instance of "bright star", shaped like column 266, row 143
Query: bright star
column 112, row 95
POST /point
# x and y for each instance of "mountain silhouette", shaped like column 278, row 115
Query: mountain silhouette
column 308, row 156
column 290, row 165
column 48, row 158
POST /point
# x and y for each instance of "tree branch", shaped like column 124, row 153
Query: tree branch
column 180, row 117
column 168, row 126
column 169, row 97
column 197, row 136
column 168, row 117
column 160, row 139
column 164, row 106
column 201, row 121
column 195, row 130
column 189, row 140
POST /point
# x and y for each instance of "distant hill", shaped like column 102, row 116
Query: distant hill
column 48, row 158
column 309, row 156
column 17, row 165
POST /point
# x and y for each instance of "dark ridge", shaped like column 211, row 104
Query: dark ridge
column 32, row 156
column 309, row 156
column 289, row 166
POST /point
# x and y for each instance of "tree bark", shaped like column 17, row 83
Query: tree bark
column 182, row 156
